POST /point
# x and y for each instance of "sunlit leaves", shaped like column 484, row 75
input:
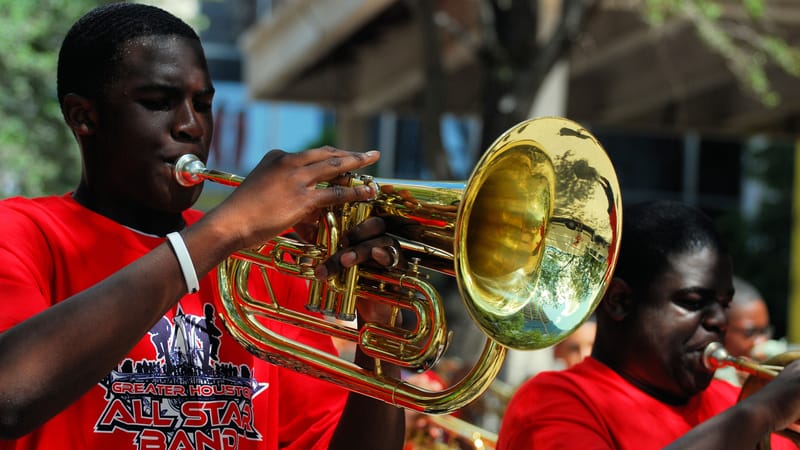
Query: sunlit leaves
column 755, row 8
column 740, row 32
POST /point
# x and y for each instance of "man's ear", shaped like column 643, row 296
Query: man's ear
column 80, row 114
column 618, row 301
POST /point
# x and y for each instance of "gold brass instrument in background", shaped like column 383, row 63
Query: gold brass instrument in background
column 531, row 237
column 456, row 434
column 716, row 357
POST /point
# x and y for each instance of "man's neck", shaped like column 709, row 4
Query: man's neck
column 144, row 220
column 617, row 362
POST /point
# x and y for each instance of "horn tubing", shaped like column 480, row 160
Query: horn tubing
column 283, row 352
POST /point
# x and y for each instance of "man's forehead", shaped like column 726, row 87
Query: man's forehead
column 161, row 50
column 163, row 60
column 700, row 267
column 704, row 256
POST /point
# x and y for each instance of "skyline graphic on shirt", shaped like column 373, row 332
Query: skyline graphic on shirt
column 186, row 397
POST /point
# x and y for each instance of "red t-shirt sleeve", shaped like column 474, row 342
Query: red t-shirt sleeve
column 27, row 268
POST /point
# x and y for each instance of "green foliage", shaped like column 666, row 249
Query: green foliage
column 755, row 8
column 37, row 152
column 746, row 43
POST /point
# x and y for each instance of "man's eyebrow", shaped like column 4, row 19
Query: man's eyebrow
column 158, row 87
column 154, row 87
column 695, row 290
column 701, row 291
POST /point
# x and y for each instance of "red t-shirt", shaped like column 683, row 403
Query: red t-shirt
column 187, row 384
column 591, row 407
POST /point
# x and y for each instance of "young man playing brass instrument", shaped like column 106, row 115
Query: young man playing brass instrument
column 110, row 336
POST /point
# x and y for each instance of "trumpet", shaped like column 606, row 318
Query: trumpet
column 716, row 357
column 760, row 373
column 531, row 238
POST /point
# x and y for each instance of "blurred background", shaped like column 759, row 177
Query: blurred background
column 694, row 100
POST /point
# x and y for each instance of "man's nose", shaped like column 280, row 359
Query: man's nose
column 188, row 126
column 714, row 318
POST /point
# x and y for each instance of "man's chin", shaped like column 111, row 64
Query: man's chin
column 185, row 198
column 698, row 382
column 696, row 377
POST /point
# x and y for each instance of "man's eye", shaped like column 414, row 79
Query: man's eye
column 695, row 306
column 692, row 305
column 157, row 104
column 202, row 106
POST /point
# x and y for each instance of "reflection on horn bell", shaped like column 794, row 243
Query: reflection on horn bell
column 531, row 237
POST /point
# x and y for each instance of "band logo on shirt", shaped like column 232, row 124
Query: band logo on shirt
column 185, row 398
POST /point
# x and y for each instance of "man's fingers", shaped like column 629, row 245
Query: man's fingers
column 328, row 163
column 370, row 228
column 336, row 195
column 388, row 257
column 376, row 250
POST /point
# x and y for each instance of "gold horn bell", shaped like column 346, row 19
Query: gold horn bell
column 531, row 237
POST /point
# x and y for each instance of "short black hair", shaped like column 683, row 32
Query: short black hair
column 91, row 48
column 654, row 231
column 744, row 293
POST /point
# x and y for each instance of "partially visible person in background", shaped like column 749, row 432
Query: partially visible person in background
column 645, row 385
column 749, row 330
column 576, row 346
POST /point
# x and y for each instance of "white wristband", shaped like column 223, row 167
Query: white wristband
column 185, row 261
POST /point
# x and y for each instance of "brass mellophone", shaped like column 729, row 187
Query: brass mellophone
column 531, row 237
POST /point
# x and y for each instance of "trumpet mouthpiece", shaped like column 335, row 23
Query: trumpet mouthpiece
column 188, row 169
column 714, row 355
